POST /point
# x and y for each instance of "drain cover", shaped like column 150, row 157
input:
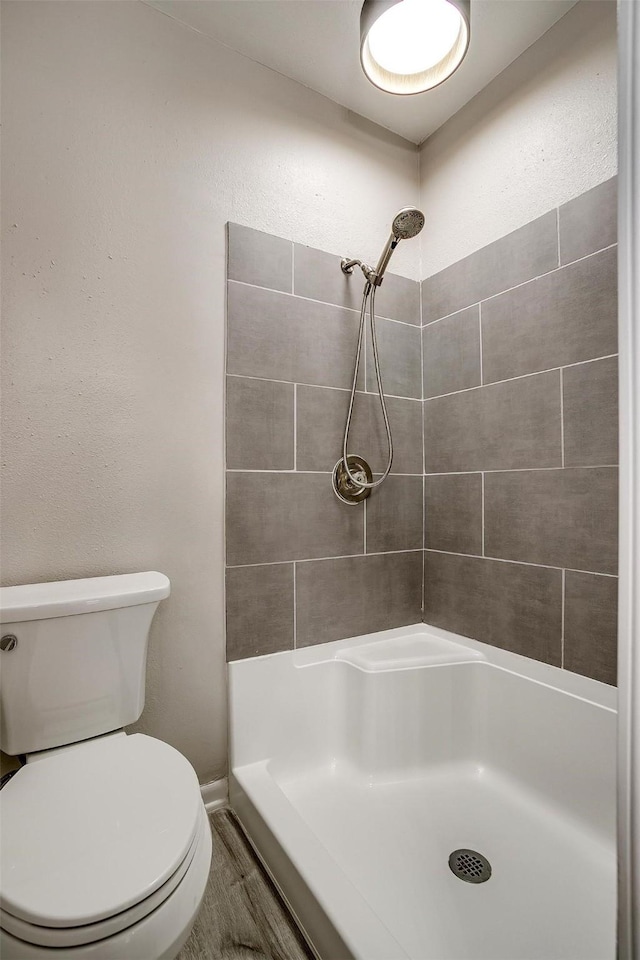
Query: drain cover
column 469, row 865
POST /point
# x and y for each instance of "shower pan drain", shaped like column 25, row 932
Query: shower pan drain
column 470, row 866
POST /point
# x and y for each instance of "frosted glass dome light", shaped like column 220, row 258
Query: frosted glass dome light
column 409, row 46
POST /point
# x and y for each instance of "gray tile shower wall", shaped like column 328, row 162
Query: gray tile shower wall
column 521, row 439
column 505, row 398
column 303, row 568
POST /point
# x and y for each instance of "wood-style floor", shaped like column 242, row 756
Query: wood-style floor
column 242, row 916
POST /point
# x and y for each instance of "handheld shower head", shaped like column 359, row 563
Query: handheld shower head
column 407, row 223
column 354, row 487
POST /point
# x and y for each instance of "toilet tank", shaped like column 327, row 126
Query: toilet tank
column 72, row 658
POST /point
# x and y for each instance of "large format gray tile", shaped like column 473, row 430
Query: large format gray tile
column 259, row 258
column 398, row 298
column 320, row 421
column 528, row 252
column 590, row 411
column 279, row 337
column 259, row 424
column 318, row 275
column 349, row 597
column 563, row 518
column 259, row 610
column 513, row 606
column 394, row 515
column 591, row 625
column 453, row 512
column 451, row 352
column 497, row 427
column 288, row 516
column 400, row 362
column 589, row 222
column 568, row 316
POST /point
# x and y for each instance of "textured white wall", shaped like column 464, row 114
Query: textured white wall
column 128, row 142
column 541, row 133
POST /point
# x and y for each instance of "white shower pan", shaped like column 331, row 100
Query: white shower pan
column 359, row 766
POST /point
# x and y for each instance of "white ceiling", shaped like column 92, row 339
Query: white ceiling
column 316, row 42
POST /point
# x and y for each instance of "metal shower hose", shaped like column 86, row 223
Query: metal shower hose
column 369, row 289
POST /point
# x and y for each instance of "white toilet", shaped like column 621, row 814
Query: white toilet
column 105, row 842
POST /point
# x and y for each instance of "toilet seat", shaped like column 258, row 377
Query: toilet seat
column 95, row 837
column 158, row 936
column 76, row 936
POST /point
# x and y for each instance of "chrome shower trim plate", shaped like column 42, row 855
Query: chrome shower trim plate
column 343, row 487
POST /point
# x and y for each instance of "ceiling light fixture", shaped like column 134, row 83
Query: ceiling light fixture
column 409, row 46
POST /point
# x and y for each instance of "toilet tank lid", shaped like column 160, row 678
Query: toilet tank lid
column 66, row 598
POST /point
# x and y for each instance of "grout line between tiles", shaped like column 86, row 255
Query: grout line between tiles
column 558, row 235
column 364, row 526
column 293, row 270
column 424, row 540
column 324, row 386
column 405, row 323
column 561, row 418
column 295, row 426
column 391, row 396
column 391, row 553
column 480, row 335
column 295, row 609
column 458, row 473
column 520, row 563
column 482, row 500
column 258, row 286
column 421, row 364
column 422, row 455
column 346, row 556
column 562, row 622
column 455, row 313
column 225, row 456
column 440, row 396
column 423, row 441
column 592, row 573
column 328, row 473
column 523, row 283
column 324, row 303
column 523, row 376
column 422, row 395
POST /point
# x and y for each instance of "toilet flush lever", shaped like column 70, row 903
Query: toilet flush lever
column 8, row 642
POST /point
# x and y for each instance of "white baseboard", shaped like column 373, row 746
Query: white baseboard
column 215, row 794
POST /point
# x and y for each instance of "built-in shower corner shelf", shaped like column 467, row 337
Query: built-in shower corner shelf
column 402, row 649
column 412, row 651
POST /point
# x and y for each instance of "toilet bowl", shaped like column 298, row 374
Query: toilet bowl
column 106, row 852
column 105, row 841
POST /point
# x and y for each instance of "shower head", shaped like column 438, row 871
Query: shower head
column 407, row 223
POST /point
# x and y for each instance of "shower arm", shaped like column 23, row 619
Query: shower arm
column 369, row 273
column 375, row 277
